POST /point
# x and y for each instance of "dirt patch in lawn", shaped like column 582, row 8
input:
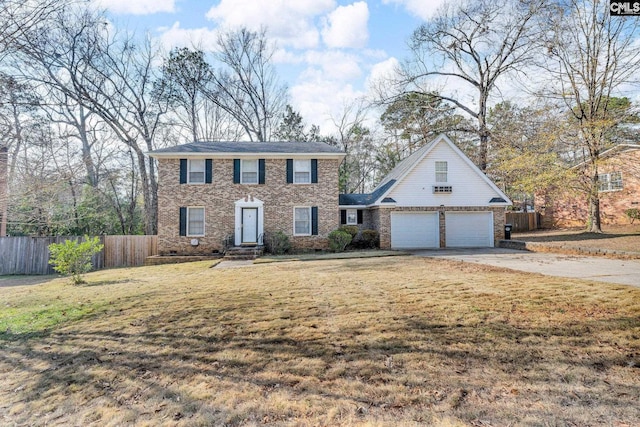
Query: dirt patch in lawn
column 613, row 238
column 382, row 341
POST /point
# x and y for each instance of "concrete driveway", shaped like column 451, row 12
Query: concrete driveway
column 624, row 272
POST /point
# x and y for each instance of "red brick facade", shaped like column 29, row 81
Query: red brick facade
column 565, row 208
column 219, row 198
column 381, row 221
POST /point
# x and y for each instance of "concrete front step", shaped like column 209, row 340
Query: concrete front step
column 243, row 253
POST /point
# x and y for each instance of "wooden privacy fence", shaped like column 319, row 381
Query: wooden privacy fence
column 523, row 221
column 30, row 255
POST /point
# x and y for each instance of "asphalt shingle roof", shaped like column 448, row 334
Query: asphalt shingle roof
column 250, row 147
column 365, row 199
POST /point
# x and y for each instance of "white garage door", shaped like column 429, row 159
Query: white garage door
column 414, row 230
column 469, row 229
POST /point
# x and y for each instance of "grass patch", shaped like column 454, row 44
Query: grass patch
column 373, row 341
column 328, row 256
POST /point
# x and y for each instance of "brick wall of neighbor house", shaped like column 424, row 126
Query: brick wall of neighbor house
column 382, row 220
column 564, row 209
column 219, row 200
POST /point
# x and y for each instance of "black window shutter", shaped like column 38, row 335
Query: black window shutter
column 359, row 216
column 289, row 171
column 208, row 171
column 314, row 220
column 183, row 171
column 183, row 221
column 314, row 171
column 343, row 216
column 261, row 171
column 236, row 171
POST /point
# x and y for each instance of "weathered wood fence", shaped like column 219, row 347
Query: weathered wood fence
column 523, row 221
column 30, row 255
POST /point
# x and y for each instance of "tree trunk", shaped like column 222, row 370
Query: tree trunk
column 594, row 222
column 4, row 190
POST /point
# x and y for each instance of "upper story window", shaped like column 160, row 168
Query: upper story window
column 196, row 171
column 249, row 171
column 302, row 171
column 610, row 181
column 441, row 171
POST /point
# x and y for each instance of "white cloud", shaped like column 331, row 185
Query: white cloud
column 203, row 38
column 346, row 27
column 423, row 9
column 137, row 7
column 318, row 100
column 335, row 65
column 290, row 23
column 382, row 73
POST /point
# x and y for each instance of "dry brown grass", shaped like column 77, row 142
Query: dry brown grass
column 614, row 238
column 396, row 341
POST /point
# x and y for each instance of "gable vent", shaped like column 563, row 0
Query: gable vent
column 442, row 189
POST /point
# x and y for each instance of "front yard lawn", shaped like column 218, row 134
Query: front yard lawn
column 395, row 341
column 613, row 238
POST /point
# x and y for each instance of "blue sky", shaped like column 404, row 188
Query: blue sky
column 328, row 50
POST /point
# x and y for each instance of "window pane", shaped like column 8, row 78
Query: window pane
column 302, row 221
column 352, row 216
column 196, row 171
column 195, row 225
column 302, row 177
column 616, row 181
column 302, row 171
column 249, row 171
column 441, row 171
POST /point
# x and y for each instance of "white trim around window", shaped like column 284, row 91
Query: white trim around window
column 352, row 216
column 441, row 171
column 195, row 221
column 610, row 181
column 196, row 171
column 302, row 221
column 249, row 171
column 302, row 171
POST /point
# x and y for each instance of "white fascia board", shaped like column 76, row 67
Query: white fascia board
column 352, row 206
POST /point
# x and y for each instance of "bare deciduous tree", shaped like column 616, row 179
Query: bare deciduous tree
column 472, row 44
column 248, row 87
column 590, row 57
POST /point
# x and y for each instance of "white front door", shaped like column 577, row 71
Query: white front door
column 249, row 225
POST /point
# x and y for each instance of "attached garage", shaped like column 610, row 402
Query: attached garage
column 469, row 229
column 414, row 230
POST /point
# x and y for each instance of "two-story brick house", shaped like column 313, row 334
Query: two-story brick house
column 236, row 192
column 212, row 192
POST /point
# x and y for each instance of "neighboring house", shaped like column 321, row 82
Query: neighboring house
column 214, row 193
column 434, row 198
column 619, row 182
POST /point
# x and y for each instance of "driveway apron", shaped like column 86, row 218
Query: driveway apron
column 619, row 271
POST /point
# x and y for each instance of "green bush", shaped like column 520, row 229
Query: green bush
column 338, row 240
column 632, row 214
column 351, row 230
column 71, row 258
column 277, row 243
column 370, row 239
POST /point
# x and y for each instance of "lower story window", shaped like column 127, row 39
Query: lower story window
column 352, row 216
column 610, row 181
column 195, row 221
column 302, row 221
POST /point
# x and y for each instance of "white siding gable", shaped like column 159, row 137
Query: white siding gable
column 469, row 186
